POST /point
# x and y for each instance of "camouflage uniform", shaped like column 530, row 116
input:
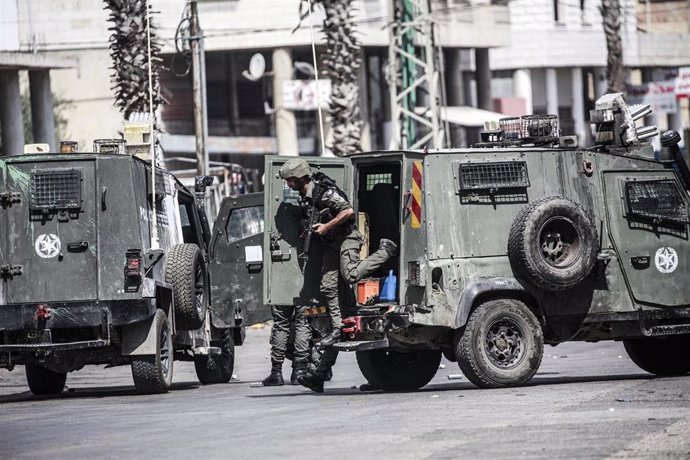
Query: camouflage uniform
column 341, row 253
column 283, row 316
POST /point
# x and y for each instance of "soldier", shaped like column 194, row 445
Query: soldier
column 342, row 246
column 283, row 317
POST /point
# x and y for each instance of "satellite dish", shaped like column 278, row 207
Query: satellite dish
column 257, row 66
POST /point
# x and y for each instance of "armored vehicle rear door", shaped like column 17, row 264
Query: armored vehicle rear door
column 50, row 230
column 236, row 262
column 288, row 278
column 648, row 223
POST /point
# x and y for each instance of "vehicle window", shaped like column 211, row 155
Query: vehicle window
column 373, row 179
column 245, row 222
column 290, row 196
column 187, row 225
column 659, row 200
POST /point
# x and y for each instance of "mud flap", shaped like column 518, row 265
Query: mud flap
column 140, row 338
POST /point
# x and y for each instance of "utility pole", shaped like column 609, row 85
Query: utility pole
column 199, row 88
column 415, row 70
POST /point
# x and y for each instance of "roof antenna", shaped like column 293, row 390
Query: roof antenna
column 316, row 77
column 152, row 138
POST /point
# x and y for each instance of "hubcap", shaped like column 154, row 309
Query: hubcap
column 559, row 241
column 504, row 343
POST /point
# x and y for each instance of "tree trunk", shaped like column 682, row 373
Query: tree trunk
column 129, row 53
column 341, row 62
column 615, row 72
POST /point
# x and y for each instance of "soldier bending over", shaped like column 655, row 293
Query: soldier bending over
column 342, row 247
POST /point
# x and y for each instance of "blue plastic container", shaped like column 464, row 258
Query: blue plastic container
column 389, row 291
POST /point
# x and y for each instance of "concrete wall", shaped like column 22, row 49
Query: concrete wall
column 9, row 35
column 575, row 40
column 90, row 112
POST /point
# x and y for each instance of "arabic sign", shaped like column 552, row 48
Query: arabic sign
column 660, row 95
column 682, row 87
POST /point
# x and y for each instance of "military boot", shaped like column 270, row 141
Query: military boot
column 390, row 247
column 299, row 369
column 275, row 378
column 311, row 381
column 331, row 339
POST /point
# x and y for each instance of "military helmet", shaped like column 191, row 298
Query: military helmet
column 295, row 167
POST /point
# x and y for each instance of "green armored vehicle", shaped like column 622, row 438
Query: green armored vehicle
column 522, row 240
column 100, row 264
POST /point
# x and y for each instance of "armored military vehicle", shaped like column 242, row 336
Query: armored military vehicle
column 522, row 240
column 101, row 264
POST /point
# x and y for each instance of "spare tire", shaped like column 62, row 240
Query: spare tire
column 553, row 243
column 185, row 270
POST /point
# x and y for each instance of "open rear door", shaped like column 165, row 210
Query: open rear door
column 289, row 279
column 236, row 263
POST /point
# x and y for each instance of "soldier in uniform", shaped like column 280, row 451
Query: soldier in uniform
column 283, row 317
column 341, row 255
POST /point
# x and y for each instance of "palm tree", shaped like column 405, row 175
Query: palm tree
column 615, row 72
column 128, row 50
column 341, row 62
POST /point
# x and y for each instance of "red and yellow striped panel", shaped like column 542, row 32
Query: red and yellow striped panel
column 416, row 221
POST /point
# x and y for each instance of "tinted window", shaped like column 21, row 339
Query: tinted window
column 245, row 222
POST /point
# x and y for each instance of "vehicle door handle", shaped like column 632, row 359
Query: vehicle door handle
column 640, row 261
column 77, row 246
column 254, row 267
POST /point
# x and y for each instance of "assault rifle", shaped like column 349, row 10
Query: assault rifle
column 314, row 216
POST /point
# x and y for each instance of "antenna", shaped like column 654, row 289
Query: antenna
column 152, row 139
column 316, row 77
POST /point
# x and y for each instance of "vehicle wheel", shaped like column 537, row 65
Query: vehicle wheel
column 553, row 243
column 393, row 370
column 501, row 345
column 660, row 356
column 43, row 381
column 185, row 270
column 153, row 373
column 217, row 368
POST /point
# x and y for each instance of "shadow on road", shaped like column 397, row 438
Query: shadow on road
column 86, row 393
column 539, row 380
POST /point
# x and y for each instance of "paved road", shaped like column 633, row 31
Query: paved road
column 587, row 401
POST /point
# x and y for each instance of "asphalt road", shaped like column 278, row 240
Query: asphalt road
column 587, row 401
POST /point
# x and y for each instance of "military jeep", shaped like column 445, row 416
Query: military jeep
column 102, row 264
column 521, row 240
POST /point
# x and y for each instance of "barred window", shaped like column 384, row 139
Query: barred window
column 373, row 179
column 658, row 200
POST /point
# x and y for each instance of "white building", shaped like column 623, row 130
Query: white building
column 547, row 55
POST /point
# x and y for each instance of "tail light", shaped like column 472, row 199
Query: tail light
column 133, row 270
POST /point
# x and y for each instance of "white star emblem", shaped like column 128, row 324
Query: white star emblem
column 47, row 245
column 666, row 260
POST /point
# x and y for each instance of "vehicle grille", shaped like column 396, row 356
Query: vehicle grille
column 55, row 189
column 498, row 175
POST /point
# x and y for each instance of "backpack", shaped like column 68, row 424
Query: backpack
column 324, row 182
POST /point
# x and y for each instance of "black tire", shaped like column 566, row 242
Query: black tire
column 501, row 345
column 665, row 356
column 212, row 369
column 553, row 243
column 186, row 271
column 154, row 373
column 393, row 370
column 43, row 381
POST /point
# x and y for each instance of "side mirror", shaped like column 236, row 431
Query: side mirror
column 201, row 182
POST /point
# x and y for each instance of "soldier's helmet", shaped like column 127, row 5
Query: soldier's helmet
column 295, row 167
